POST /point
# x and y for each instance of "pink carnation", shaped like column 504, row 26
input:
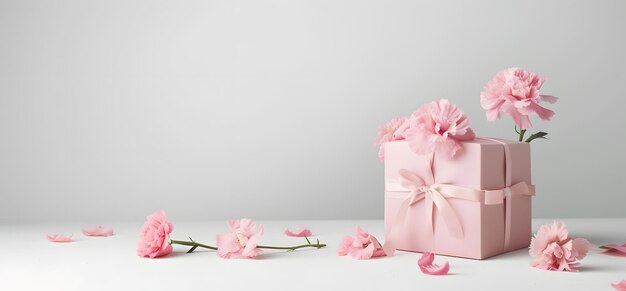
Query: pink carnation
column 361, row 247
column 241, row 241
column 515, row 92
column 553, row 249
column 438, row 127
column 390, row 131
column 154, row 236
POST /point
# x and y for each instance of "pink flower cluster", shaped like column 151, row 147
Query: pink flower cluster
column 241, row 241
column 515, row 92
column 361, row 247
column 437, row 127
column 553, row 249
column 390, row 131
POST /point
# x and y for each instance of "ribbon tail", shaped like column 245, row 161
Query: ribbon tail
column 396, row 229
column 430, row 228
column 507, row 219
column 448, row 214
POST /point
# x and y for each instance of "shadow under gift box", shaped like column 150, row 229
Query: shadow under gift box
column 479, row 165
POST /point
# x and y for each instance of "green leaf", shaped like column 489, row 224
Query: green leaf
column 540, row 134
column 192, row 249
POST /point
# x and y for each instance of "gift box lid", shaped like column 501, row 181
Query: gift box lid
column 480, row 164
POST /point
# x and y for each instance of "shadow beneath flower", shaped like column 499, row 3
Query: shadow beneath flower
column 177, row 254
column 277, row 254
column 595, row 268
column 613, row 254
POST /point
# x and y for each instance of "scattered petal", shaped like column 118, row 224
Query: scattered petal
column 59, row 238
column 98, row 231
column 427, row 267
column 299, row 231
column 621, row 286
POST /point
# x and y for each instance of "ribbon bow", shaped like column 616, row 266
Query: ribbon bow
column 433, row 196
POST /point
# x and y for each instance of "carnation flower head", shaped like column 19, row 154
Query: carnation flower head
column 392, row 130
column 515, row 92
column 362, row 246
column 154, row 237
column 241, row 241
column 438, row 127
column 553, row 249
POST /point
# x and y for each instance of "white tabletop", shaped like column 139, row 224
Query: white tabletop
column 29, row 262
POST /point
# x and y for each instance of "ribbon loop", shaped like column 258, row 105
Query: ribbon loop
column 448, row 214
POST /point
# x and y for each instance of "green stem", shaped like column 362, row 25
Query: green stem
column 192, row 244
column 319, row 246
column 521, row 135
column 195, row 245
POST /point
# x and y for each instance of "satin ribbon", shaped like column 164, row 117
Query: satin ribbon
column 519, row 189
column 437, row 195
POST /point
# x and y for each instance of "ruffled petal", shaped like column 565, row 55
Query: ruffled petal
column 227, row 243
column 548, row 98
column 98, row 231
column 299, row 231
column 59, row 238
column 378, row 248
column 621, row 286
column 448, row 148
column 580, row 247
column 362, row 253
column 426, row 265
column 250, row 249
column 345, row 246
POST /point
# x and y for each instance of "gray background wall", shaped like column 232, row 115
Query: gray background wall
column 268, row 109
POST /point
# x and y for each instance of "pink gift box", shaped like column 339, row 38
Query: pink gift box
column 480, row 167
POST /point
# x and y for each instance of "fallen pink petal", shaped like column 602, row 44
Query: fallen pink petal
column 621, row 286
column 298, row 231
column 59, row 238
column 98, row 231
column 614, row 249
column 427, row 267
